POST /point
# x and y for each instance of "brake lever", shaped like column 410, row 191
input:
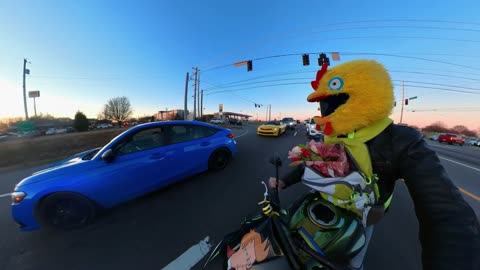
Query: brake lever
column 265, row 195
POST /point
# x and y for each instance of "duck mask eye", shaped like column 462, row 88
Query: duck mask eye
column 335, row 83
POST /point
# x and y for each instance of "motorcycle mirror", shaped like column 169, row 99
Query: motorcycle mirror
column 276, row 160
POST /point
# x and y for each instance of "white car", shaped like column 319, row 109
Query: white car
column 312, row 132
column 50, row 131
column 217, row 121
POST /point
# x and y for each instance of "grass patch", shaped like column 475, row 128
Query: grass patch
column 45, row 149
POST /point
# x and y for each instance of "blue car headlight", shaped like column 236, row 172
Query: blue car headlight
column 18, row 196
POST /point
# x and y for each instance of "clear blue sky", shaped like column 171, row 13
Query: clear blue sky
column 84, row 52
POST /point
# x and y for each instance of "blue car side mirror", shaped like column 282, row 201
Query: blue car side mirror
column 108, row 156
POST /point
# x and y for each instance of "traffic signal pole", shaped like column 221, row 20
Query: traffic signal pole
column 403, row 101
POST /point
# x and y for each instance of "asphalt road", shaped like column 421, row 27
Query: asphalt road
column 151, row 231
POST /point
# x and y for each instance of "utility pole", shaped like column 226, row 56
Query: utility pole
column 270, row 112
column 195, row 93
column 201, row 103
column 403, row 100
column 186, row 95
column 199, row 112
column 25, row 72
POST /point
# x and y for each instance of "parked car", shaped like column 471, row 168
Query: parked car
column 217, row 121
column 474, row 142
column 451, row 139
column 233, row 121
column 290, row 122
column 312, row 132
column 50, row 131
column 104, row 125
column 272, row 128
column 143, row 158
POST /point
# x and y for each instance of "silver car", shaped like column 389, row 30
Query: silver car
column 312, row 132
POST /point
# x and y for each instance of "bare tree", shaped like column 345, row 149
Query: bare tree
column 118, row 109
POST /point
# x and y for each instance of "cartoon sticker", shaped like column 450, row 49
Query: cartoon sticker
column 251, row 250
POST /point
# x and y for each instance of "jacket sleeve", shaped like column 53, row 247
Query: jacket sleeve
column 449, row 229
column 293, row 175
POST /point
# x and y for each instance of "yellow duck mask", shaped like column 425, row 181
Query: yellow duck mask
column 352, row 96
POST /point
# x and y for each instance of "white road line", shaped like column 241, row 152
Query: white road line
column 190, row 257
column 5, row 195
column 456, row 162
column 240, row 135
column 295, row 134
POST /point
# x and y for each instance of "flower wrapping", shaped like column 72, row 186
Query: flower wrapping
column 328, row 160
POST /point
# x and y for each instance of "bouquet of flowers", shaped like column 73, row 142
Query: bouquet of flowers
column 329, row 161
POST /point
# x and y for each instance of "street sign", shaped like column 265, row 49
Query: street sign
column 25, row 126
column 415, row 97
column 335, row 56
column 220, row 107
column 34, row 94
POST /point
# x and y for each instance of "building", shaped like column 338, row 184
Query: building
column 169, row 115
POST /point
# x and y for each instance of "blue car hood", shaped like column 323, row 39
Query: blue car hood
column 73, row 165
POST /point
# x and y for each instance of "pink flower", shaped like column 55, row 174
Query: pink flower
column 297, row 150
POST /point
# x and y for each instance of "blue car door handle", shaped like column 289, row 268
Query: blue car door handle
column 205, row 144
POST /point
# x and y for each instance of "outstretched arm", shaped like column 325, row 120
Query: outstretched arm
column 292, row 176
column 449, row 229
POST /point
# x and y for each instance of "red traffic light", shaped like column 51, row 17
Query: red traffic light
column 306, row 59
column 406, row 101
column 249, row 65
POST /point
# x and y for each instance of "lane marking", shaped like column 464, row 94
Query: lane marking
column 470, row 194
column 191, row 256
column 295, row 134
column 5, row 195
column 240, row 135
column 459, row 163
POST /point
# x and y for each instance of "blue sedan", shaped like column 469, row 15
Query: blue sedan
column 69, row 193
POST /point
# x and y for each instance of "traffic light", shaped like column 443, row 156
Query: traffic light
column 406, row 101
column 306, row 59
column 249, row 65
column 323, row 59
column 395, row 104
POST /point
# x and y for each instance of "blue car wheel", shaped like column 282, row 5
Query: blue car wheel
column 66, row 211
column 219, row 159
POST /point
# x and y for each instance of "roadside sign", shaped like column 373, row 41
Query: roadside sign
column 335, row 56
column 34, row 94
column 220, row 107
column 415, row 97
column 25, row 126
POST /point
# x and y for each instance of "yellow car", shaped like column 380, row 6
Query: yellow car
column 272, row 128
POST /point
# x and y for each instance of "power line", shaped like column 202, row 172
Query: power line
column 262, row 86
column 355, row 53
column 447, row 109
column 439, row 84
column 253, row 83
column 281, row 35
column 434, row 74
column 440, row 88
column 237, row 83
column 244, row 99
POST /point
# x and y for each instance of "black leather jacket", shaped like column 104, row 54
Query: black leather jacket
column 449, row 229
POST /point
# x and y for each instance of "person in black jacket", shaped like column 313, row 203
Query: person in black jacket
column 355, row 99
